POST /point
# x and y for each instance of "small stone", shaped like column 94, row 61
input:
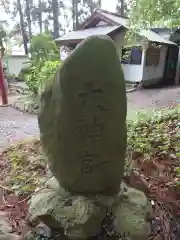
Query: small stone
column 81, row 218
column 131, row 213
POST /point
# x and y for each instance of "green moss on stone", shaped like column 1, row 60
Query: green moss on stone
column 83, row 119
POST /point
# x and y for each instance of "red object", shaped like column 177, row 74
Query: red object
column 3, row 91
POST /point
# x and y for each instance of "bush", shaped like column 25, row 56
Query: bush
column 47, row 72
column 43, row 48
column 25, row 71
column 43, row 62
column 40, row 74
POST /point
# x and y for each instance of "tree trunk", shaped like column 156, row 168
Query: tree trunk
column 55, row 11
column 77, row 14
column 2, row 49
column 122, row 7
column 19, row 7
column 93, row 5
column 99, row 3
column 40, row 18
column 28, row 12
column 74, row 14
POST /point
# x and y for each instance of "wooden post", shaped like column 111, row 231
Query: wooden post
column 177, row 80
column 3, row 90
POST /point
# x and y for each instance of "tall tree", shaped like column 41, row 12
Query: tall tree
column 55, row 11
column 6, row 5
column 22, row 24
column 146, row 13
column 37, row 13
column 2, row 38
column 99, row 3
column 75, row 14
column 28, row 15
column 81, row 9
column 121, row 7
column 40, row 16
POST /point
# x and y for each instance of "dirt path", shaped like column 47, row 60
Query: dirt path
column 15, row 126
column 149, row 99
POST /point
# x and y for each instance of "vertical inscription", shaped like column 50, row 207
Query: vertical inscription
column 89, row 95
column 90, row 162
column 91, row 128
column 91, row 131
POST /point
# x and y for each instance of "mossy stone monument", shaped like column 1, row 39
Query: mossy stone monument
column 82, row 119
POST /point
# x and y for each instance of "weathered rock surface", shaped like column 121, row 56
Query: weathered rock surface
column 79, row 216
column 83, row 119
column 132, row 213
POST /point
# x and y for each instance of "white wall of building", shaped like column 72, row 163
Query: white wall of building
column 15, row 63
column 132, row 73
column 156, row 72
column 137, row 73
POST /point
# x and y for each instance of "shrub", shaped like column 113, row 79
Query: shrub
column 25, row 71
column 43, row 62
column 40, row 74
column 47, row 72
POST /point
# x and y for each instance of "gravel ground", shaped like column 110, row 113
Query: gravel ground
column 15, row 126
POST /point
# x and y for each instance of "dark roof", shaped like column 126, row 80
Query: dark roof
column 155, row 37
column 113, row 21
column 161, row 29
column 84, row 33
column 163, row 32
column 109, row 17
column 91, row 28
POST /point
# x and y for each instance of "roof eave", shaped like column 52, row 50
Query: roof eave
column 97, row 13
column 164, row 43
column 68, row 41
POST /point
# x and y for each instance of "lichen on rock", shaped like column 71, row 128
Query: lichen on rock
column 82, row 119
column 79, row 216
column 132, row 212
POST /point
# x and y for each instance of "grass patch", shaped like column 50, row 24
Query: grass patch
column 154, row 135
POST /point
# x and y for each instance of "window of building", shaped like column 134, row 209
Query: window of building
column 153, row 56
column 132, row 55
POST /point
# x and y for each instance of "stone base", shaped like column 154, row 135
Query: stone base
column 80, row 217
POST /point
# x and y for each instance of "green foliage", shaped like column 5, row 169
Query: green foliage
column 43, row 48
column 48, row 70
column 154, row 137
column 43, row 62
column 32, row 79
column 150, row 13
column 177, row 172
column 27, row 165
column 148, row 132
column 25, row 71
column 41, row 73
column 2, row 33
